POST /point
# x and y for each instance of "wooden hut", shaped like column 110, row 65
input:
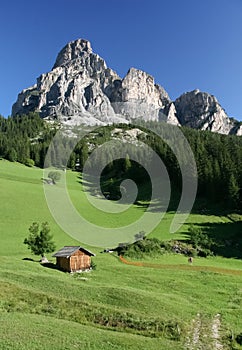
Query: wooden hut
column 73, row 258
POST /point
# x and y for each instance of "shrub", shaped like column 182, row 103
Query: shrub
column 152, row 247
column 29, row 162
column 200, row 241
column 238, row 339
column 54, row 176
column 93, row 265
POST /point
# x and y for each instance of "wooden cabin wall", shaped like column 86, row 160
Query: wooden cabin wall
column 80, row 261
column 64, row 263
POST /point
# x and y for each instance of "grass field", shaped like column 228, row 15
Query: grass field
column 116, row 306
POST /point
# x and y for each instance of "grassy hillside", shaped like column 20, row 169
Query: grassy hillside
column 167, row 305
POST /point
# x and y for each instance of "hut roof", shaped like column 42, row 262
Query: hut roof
column 68, row 251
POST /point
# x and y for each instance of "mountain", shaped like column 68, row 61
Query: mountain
column 81, row 89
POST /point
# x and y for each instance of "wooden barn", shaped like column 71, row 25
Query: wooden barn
column 73, row 258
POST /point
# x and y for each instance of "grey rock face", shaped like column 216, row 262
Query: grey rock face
column 75, row 87
column 137, row 96
column 71, row 51
column 169, row 114
column 200, row 110
column 81, row 89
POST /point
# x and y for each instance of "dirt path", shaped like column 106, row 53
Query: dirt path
column 193, row 337
column 204, row 334
column 215, row 332
column 182, row 267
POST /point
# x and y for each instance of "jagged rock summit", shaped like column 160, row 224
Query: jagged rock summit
column 201, row 110
column 71, row 51
column 81, row 89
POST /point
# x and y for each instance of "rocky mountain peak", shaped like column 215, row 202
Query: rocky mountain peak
column 71, row 51
column 81, row 89
column 201, row 110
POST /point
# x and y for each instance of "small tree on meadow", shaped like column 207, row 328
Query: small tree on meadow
column 40, row 241
column 54, row 176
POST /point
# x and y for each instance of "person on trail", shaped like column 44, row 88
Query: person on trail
column 190, row 259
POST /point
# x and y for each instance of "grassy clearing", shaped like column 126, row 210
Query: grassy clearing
column 135, row 301
column 117, row 306
column 31, row 332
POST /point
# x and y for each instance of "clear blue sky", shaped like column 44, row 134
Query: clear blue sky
column 184, row 44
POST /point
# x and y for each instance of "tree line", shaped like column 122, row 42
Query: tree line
column 25, row 139
column 218, row 160
column 218, row 157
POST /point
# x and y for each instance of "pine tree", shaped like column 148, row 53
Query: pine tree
column 83, row 155
column 233, row 191
column 39, row 240
column 127, row 164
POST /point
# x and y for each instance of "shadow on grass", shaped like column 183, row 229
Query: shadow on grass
column 48, row 265
column 227, row 237
column 29, row 259
column 52, row 266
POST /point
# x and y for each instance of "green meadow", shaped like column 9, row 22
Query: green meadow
column 164, row 304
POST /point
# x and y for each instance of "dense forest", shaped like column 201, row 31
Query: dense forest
column 26, row 139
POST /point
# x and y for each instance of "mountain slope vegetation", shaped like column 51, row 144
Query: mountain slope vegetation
column 218, row 157
column 117, row 305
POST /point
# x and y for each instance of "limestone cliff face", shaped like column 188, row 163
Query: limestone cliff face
column 73, row 89
column 201, row 110
column 137, row 96
column 71, row 51
column 81, row 89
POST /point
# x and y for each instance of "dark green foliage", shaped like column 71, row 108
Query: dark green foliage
column 25, row 139
column 200, row 241
column 218, row 160
column 233, row 191
column 218, row 157
column 146, row 247
column 40, row 240
column 83, row 154
column 238, row 339
column 153, row 247
column 93, row 265
column 199, row 244
column 121, row 169
column 29, row 162
column 127, row 163
column 11, row 155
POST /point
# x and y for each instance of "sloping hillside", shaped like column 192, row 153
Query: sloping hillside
column 115, row 306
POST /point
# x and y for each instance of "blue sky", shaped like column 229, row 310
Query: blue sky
column 184, row 44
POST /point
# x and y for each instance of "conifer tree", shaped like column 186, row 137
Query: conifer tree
column 40, row 241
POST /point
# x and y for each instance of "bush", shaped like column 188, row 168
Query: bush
column 200, row 241
column 198, row 245
column 238, row 339
column 139, row 249
column 93, row 265
column 182, row 248
column 29, row 162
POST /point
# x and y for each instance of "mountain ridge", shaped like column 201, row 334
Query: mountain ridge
column 82, row 89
